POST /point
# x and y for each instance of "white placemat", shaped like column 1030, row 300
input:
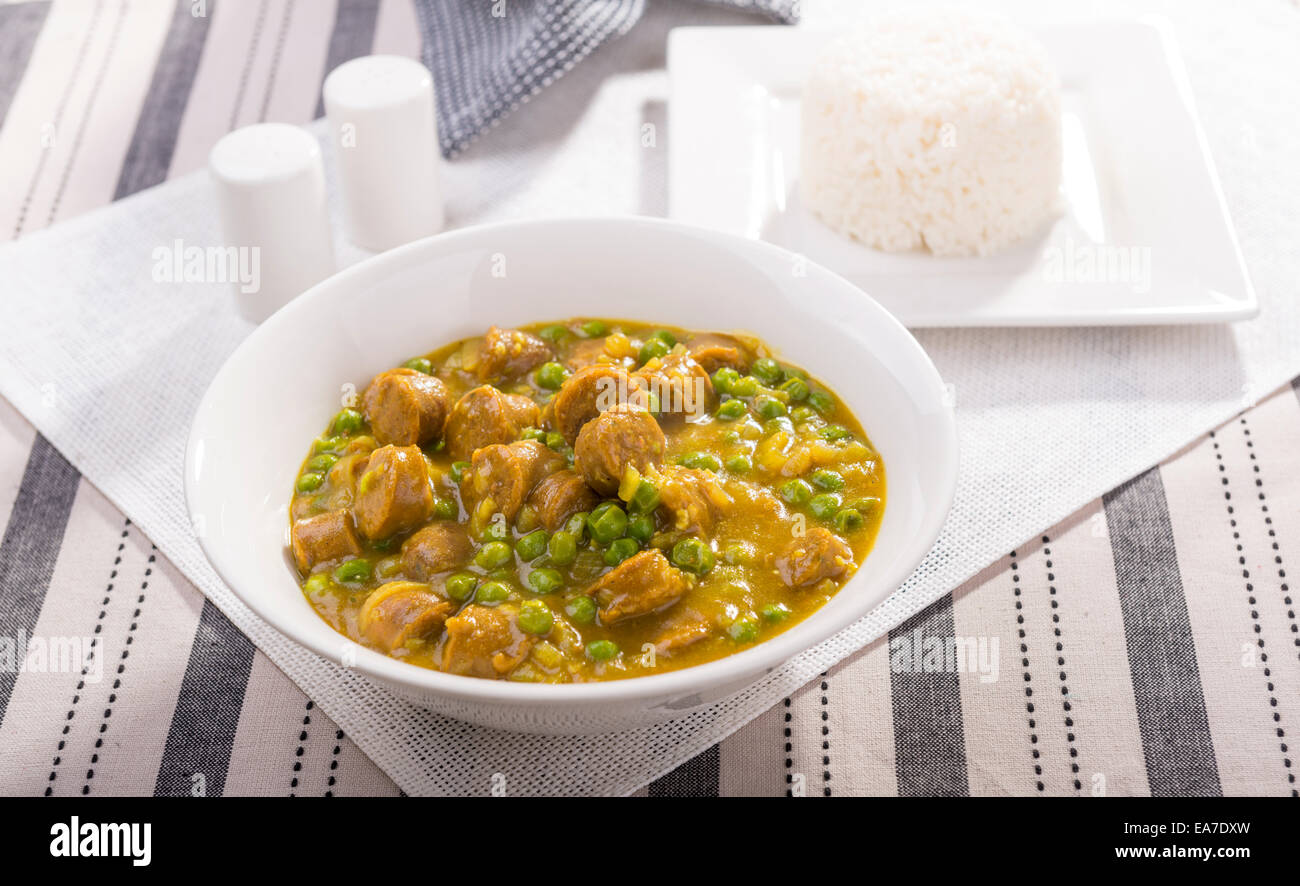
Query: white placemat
column 110, row 364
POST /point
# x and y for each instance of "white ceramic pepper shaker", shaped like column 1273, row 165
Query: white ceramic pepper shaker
column 270, row 186
column 381, row 115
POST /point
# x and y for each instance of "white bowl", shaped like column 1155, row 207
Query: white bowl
column 278, row 390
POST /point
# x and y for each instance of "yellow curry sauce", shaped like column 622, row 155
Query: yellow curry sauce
column 585, row 500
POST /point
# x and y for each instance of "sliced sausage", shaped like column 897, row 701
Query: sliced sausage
column 686, row 631
column 394, row 493
column 681, row 385
column 622, row 436
column 589, row 392
column 507, row 354
column 713, row 351
column 484, row 641
column 561, row 495
column 438, row 547
column 322, row 538
column 643, row 583
column 691, row 499
column 504, row 475
column 405, row 406
column 818, row 555
column 400, row 612
column 485, row 416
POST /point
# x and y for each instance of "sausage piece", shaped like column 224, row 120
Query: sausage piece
column 641, row 584
column 438, row 547
column 485, row 416
column 394, row 493
column 681, row 385
column 504, row 475
column 622, row 436
column 691, row 499
column 484, row 641
column 589, row 392
column 561, row 495
column 818, row 555
column 399, row 612
column 325, row 537
column 713, row 351
column 507, row 354
column 405, row 406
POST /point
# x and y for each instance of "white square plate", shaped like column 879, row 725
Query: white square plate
column 1145, row 237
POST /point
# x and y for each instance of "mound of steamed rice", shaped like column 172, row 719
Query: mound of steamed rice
column 933, row 131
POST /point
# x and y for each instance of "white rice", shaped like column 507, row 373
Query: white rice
column 938, row 131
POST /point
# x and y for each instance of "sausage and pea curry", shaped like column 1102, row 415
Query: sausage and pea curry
column 587, row 500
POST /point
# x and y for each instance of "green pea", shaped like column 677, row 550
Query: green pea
column 692, row 555
column 704, row 460
column 317, row 583
column 824, row 479
column 581, row 609
column 532, row 434
column 562, row 548
column 594, row 328
column 535, row 617
column 619, row 550
column 739, row 464
column 445, row 509
column 309, row 482
column 458, row 469
column 848, row 520
column 768, row 406
column 419, row 364
column 461, row 585
column 821, row 401
column 532, row 545
column 496, row 530
column 796, row 389
column 802, row 414
column 606, row 523
column 653, row 347
column 780, row 423
column 652, row 403
column 493, row 555
column 544, row 581
column 555, row 440
column 551, row 376
column 825, row 505
column 602, row 650
column 766, row 370
column 665, row 336
column 353, row 571
column 328, row 444
column 554, row 333
column 730, row 410
column 642, row 528
column 724, row 378
column 491, row 593
column 645, row 499
column 743, row 630
column 796, row 492
column 348, row 421
column 746, row 386
column 577, row 525
column 834, row 432
column 775, row 612
column 865, row 506
column 322, row 462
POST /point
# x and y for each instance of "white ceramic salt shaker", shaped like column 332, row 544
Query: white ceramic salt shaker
column 381, row 114
column 270, row 186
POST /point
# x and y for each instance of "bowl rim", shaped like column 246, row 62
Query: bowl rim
column 750, row 664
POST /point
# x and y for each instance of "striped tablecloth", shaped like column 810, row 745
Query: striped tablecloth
column 1147, row 645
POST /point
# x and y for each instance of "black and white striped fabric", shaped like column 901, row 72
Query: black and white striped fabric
column 490, row 56
column 1148, row 644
